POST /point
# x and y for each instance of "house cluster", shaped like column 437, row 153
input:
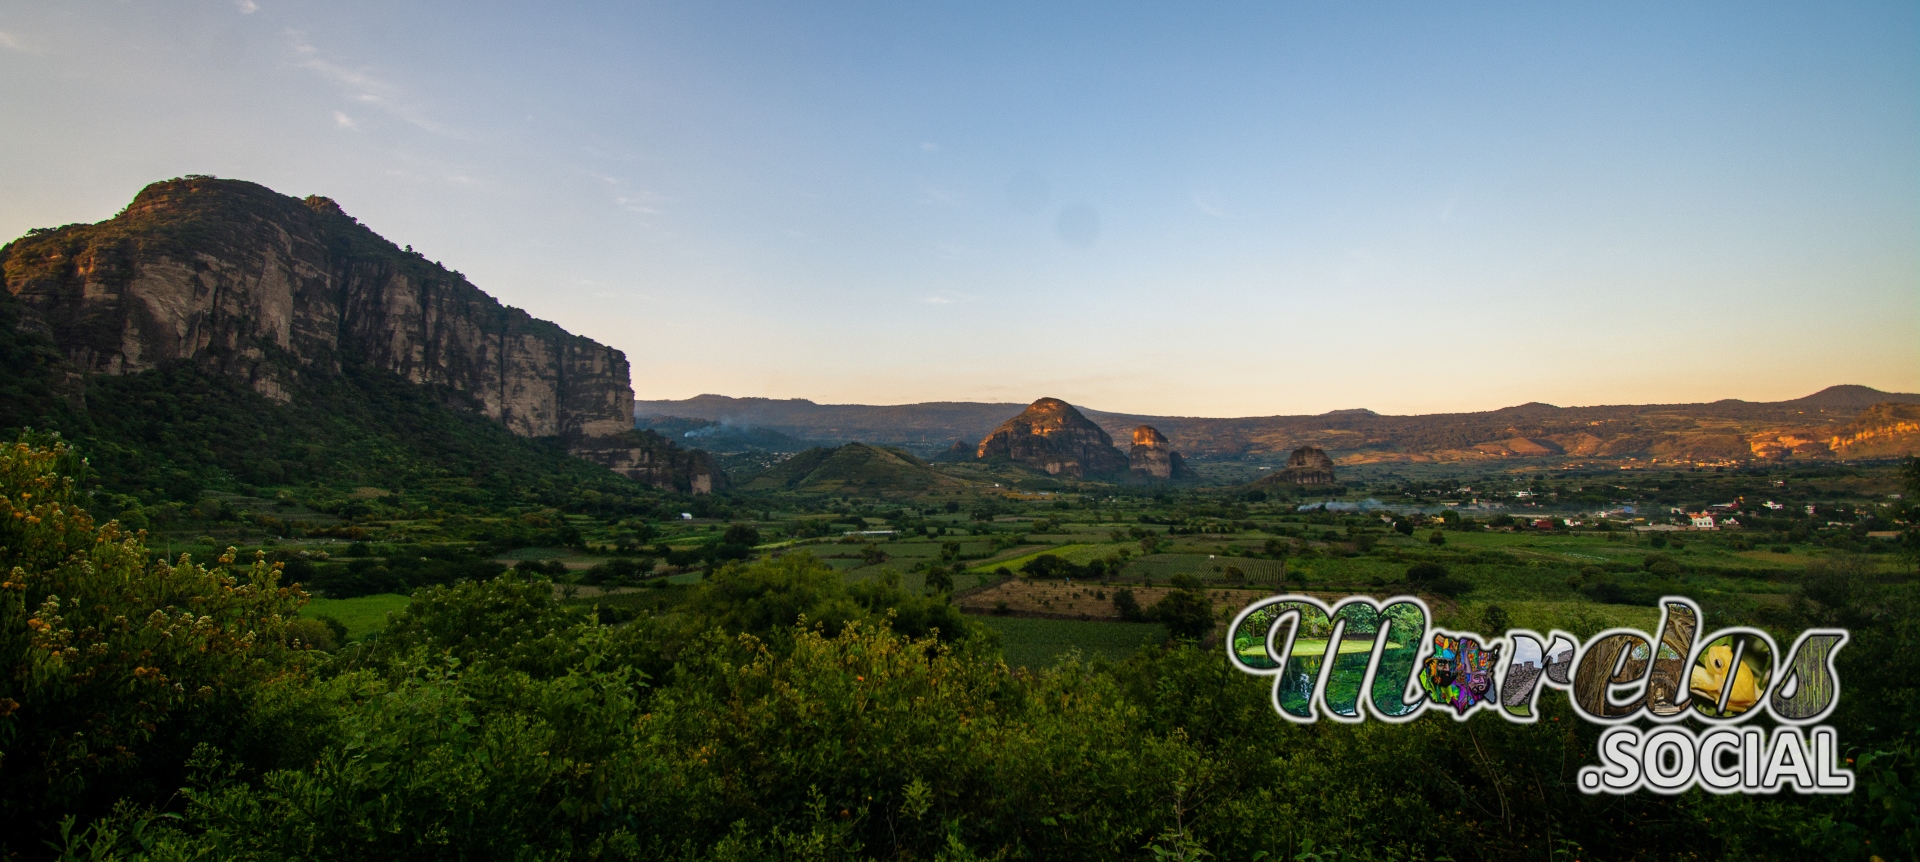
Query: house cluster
column 1716, row 517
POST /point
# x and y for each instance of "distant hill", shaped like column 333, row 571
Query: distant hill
column 930, row 424
column 1850, row 397
column 852, row 468
column 724, row 437
column 1721, row 430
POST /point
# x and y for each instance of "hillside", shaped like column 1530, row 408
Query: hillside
column 1721, row 430
column 289, row 316
column 929, row 424
column 852, row 468
column 1888, row 429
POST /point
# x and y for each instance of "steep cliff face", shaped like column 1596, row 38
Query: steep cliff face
column 264, row 288
column 1153, row 459
column 1051, row 435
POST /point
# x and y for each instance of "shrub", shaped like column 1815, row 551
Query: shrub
column 117, row 668
column 1425, row 573
column 740, row 534
column 1187, row 611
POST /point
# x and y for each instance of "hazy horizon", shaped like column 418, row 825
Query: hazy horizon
column 1119, row 412
column 1228, row 211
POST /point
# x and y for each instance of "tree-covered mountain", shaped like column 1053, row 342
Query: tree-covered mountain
column 852, row 468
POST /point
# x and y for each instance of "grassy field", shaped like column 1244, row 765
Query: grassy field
column 362, row 616
column 1161, row 567
column 1079, row 554
column 1036, row 643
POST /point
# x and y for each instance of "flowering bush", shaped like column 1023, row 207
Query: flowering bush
column 107, row 659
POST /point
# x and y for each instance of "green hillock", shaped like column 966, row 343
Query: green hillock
column 855, row 467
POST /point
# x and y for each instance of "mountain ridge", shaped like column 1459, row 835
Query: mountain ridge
column 1726, row 429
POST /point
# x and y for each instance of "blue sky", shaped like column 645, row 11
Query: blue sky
column 1230, row 210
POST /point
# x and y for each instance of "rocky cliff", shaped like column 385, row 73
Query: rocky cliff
column 1050, row 435
column 1305, row 466
column 268, row 289
column 1880, row 431
column 1153, row 459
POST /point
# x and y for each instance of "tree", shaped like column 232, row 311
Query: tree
column 939, row 579
column 741, row 534
column 1494, row 621
column 1425, row 573
column 1127, row 605
column 1049, row 566
column 1437, row 538
column 1186, row 611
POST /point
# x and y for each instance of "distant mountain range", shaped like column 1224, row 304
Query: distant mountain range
column 1819, row 425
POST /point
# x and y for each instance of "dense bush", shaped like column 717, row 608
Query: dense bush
column 115, row 668
column 780, row 713
column 401, row 572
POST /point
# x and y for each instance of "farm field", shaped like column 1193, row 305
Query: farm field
column 1037, row 643
column 363, row 615
column 1089, row 600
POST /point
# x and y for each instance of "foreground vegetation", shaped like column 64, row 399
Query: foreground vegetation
column 161, row 708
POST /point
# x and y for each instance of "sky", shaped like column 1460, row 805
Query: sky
column 1216, row 209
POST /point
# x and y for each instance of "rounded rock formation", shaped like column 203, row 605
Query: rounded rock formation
column 1153, row 458
column 1053, row 437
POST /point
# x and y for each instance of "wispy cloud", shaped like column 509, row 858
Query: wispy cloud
column 10, row 41
column 434, row 174
column 929, row 147
column 938, row 300
column 1209, row 204
column 360, row 86
column 632, row 200
column 247, row 7
column 344, row 121
column 939, row 197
